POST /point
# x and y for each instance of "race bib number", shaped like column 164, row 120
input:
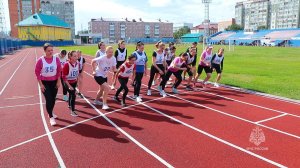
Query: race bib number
column 49, row 69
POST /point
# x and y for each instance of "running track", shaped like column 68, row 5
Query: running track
column 204, row 128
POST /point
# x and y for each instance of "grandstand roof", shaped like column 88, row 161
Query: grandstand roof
column 42, row 19
column 192, row 35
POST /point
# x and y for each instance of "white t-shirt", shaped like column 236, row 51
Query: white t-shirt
column 104, row 65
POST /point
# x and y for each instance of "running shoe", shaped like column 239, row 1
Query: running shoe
column 149, row 93
column 189, row 88
column 97, row 102
column 52, row 121
column 105, row 107
column 115, row 98
column 123, row 104
column 216, row 85
column 159, row 88
column 139, row 99
column 163, row 93
column 74, row 114
column 174, row 90
column 65, row 98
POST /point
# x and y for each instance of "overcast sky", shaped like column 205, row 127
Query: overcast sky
column 175, row 11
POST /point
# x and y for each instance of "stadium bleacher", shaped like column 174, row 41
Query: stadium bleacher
column 279, row 37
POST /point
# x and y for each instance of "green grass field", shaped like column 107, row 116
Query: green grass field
column 266, row 69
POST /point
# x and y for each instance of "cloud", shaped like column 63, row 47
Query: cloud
column 176, row 11
column 159, row 3
column 85, row 10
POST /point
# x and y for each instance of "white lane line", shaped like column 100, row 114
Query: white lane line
column 19, row 97
column 233, row 116
column 55, row 150
column 13, row 74
column 126, row 134
column 217, row 138
column 8, row 61
column 269, row 96
column 33, row 104
column 239, row 118
column 269, row 119
column 251, row 104
column 77, row 123
column 129, row 136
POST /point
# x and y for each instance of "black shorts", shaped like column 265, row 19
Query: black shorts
column 190, row 73
column 206, row 69
column 217, row 67
column 119, row 63
column 154, row 70
column 100, row 80
column 169, row 62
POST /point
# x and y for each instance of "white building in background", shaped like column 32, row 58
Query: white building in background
column 284, row 14
column 256, row 14
column 240, row 14
column 63, row 9
column 178, row 26
column 272, row 14
column 3, row 29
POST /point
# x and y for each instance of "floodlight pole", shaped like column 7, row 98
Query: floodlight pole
column 206, row 19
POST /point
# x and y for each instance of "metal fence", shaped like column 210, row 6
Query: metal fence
column 9, row 45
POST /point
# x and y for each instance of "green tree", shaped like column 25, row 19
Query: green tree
column 182, row 31
column 234, row 27
column 262, row 28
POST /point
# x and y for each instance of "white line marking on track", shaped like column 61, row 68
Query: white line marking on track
column 239, row 118
column 8, row 61
column 13, row 74
column 129, row 136
column 55, row 150
column 16, row 56
column 251, row 104
column 233, row 116
column 217, row 138
column 20, row 97
column 77, row 123
column 23, row 105
column 269, row 119
column 207, row 134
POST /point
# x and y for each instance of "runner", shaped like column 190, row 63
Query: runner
column 101, row 66
column 176, row 69
column 48, row 73
column 70, row 77
column 189, row 63
column 159, row 65
column 141, row 69
column 125, row 71
column 205, row 63
column 101, row 49
column 63, row 59
column 121, row 56
column 217, row 64
column 81, row 61
column 194, row 45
